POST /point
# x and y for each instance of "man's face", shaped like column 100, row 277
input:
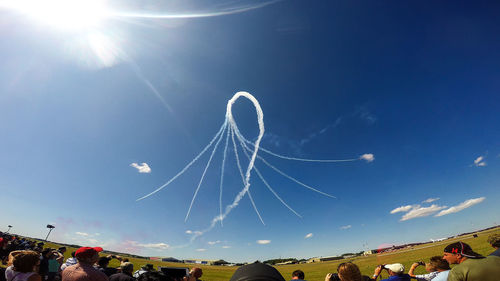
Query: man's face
column 451, row 258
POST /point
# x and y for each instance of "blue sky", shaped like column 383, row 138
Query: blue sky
column 413, row 83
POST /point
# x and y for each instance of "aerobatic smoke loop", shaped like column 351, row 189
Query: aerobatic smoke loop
column 230, row 128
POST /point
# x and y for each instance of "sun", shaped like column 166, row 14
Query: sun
column 62, row 14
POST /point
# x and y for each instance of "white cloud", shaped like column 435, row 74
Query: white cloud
column 93, row 241
column 345, row 227
column 142, row 168
column 464, row 205
column 226, row 247
column 189, row 232
column 201, row 250
column 263, row 242
column 213, row 242
column 479, row 162
column 309, row 235
column 430, row 200
column 159, row 246
column 418, row 211
column 402, row 209
column 368, row 157
column 82, row 234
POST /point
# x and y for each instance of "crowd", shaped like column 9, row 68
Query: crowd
column 30, row 261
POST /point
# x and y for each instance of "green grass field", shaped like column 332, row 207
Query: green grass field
column 317, row 271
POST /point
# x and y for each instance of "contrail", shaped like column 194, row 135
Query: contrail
column 188, row 165
column 204, row 172
column 243, row 177
column 229, row 11
column 230, row 129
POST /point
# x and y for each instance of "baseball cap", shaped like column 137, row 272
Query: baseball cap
column 462, row 249
column 86, row 252
column 396, row 267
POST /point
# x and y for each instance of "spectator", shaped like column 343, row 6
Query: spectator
column 257, row 271
column 471, row 265
column 102, row 265
column 395, row 270
column 84, row 270
column 194, row 274
column 494, row 240
column 70, row 261
column 298, row 275
column 145, row 268
column 126, row 273
column 54, row 264
column 23, row 267
column 436, row 266
column 348, row 271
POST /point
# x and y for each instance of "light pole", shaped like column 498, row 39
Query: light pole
column 50, row 227
column 10, row 226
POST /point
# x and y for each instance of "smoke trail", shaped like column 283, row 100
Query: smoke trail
column 242, row 177
column 230, row 11
column 301, row 159
column 267, row 184
column 222, row 173
column 203, row 175
column 189, row 164
column 238, row 134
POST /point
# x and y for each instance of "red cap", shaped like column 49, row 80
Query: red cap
column 87, row 252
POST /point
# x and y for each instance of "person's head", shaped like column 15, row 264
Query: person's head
column 348, row 271
column 395, row 269
column 25, row 261
column 148, row 267
column 196, row 272
column 62, row 250
column 88, row 255
column 458, row 252
column 437, row 263
column 298, row 274
column 103, row 262
column 256, row 272
column 494, row 240
column 127, row 267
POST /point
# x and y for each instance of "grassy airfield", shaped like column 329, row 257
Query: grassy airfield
column 317, row 271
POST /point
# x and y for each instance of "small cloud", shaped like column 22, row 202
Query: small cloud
column 82, row 234
column 479, row 162
column 417, row 211
column 189, row 232
column 142, row 168
column 158, row 246
column 213, row 242
column 97, row 234
column 226, row 247
column 263, row 242
column 345, row 227
column 402, row 209
column 309, row 235
column 368, row 157
column 201, row 250
column 93, row 241
column 464, row 205
column 430, row 200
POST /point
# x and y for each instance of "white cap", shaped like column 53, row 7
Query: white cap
column 396, row 268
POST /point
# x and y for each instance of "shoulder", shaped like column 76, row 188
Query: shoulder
column 35, row 277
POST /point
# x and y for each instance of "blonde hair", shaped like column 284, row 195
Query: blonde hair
column 348, row 271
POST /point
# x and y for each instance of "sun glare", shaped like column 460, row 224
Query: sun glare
column 62, row 14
